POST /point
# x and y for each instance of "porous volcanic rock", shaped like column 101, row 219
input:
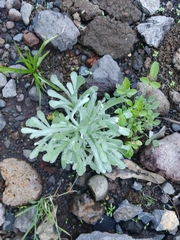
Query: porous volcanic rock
column 107, row 36
column 165, row 159
column 122, row 10
column 22, row 182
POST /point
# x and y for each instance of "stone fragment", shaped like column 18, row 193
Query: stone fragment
column 16, row 75
column 3, row 80
column 165, row 220
column 84, row 8
column 2, row 103
column 9, row 89
column 175, row 127
column 105, row 75
column 2, row 122
column 18, row 37
column 175, row 96
column 147, row 91
column 176, row 59
column 96, row 235
column 30, row 39
column 121, row 10
column 14, row 15
column 2, row 213
column 46, row 230
column 26, row 9
column 148, row 7
column 2, row 3
column 86, row 209
column 145, row 217
column 24, row 220
column 22, row 182
column 62, row 25
column 2, row 42
column 107, row 36
column 126, row 211
column 155, row 29
column 99, row 187
column 13, row 4
column 168, row 188
column 10, row 24
column 165, row 158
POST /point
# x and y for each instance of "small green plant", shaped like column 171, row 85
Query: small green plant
column 150, row 200
column 172, row 84
column 44, row 209
column 161, row 9
column 154, row 70
column 137, row 114
column 84, row 135
column 170, row 73
column 32, row 64
column 109, row 210
column 155, row 53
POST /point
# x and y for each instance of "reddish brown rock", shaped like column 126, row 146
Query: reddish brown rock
column 91, row 61
column 30, row 39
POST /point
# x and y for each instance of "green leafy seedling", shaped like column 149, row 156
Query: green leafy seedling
column 32, row 64
column 150, row 80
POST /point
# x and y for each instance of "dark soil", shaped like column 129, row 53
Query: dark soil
column 62, row 64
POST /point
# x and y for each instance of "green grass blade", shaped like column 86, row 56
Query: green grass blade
column 42, row 58
column 48, row 83
column 14, row 70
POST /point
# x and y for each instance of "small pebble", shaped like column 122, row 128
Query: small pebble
column 137, row 186
column 18, row 37
column 175, row 127
column 7, row 46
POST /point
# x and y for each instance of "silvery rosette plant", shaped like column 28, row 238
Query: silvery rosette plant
column 81, row 133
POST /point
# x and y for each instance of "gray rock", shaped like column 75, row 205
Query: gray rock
column 165, row 220
column 145, row 217
column 24, row 220
column 176, row 59
column 137, row 186
column 102, row 36
column 2, row 42
column 83, row 71
column 99, row 187
column 16, row 75
column 175, row 96
column 165, row 158
column 155, row 29
column 14, row 15
column 13, row 4
column 3, row 80
column 148, row 7
column 147, row 91
column 2, row 213
column 168, row 188
column 26, row 10
column 86, row 209
column 96, row 235
column 33, row 95
column 2, row 103
column 10, row 24
column 18, row 37
column 175, row 127
column 2, row 3
column 62, row 25
column 2, row 122
column 105, row 74
column 121, row 10
column 126, row 211
column 9, row 89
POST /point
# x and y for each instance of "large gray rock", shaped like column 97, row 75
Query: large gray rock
column 96, row 235
column 155, row 29
column 105, row 75
column 126, row 211
column 107, row 36
column 122, row 10
column 164, row 159
column 48, row 23
column 147, row 91
column 148, row 7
